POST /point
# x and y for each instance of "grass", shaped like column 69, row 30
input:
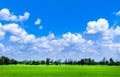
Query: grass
column 58, row 71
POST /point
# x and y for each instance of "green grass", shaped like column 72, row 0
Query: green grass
column 59, row 71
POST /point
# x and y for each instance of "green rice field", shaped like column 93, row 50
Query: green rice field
column 58, row 71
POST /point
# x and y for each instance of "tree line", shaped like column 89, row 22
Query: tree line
column 86, row 61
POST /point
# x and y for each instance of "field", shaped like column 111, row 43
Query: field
column 58, row 71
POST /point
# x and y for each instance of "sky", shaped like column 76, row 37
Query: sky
column 60, row 29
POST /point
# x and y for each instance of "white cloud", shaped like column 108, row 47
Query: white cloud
column 2, row 47
column 90, row 42
column 29, row 38
column 14, row 38
column 117, row 30
column 18, row 34
column 26, row 39
column 97, row 26
column 118, row 13
column 68, row 45
column 40, row 27
column 7, row 16
column 73, row 38
column 109, row 34
column 14, row 29
column 24, row 17
column 38, row 21
column 2, row 33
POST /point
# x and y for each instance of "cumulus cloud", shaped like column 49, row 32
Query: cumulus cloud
column 117, row 30
column 69, row 45
column 17, row 43
column 2, row 33
column 14, row 29
column 6, row 15
column 97, row 26
column 118, row 13
column 24, row 17
column 111, row 33
column 38, row 21
column 2, row 47
column 73, row 38
column 18, row 34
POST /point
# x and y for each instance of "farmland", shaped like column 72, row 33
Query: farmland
column 59, row 71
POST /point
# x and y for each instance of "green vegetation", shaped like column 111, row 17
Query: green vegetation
column 48, row 68
column 58, row 71
column 86, row 61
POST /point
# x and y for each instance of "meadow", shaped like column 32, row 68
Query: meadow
column 59, row 71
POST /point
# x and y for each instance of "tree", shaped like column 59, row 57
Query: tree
column 42, row 62
column 68, row 61
column 93, row 62
column 4, row 60
column 111, row 61
column 107, row 62
column 13, row 61
column 51, row 62
column 47, row 61
column 65, row 62
column 57, row 62
column 36, row 62
column 117, row 63
column 103, row 62
column 82, row 62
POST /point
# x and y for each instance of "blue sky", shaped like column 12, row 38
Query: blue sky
column 60, row 29
column 59, row 14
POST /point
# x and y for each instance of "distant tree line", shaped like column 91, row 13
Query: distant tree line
column 86, row 61
column 5, row 61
